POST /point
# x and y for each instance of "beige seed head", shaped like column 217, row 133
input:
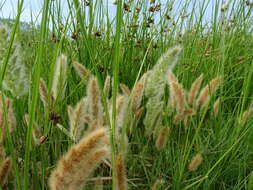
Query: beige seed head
column 172, row 78
column 136, row 95
column 81, row 70
column 73, row 169
column 139, row 113
column 121, row 173
column 5, row 170
column 179, row 96
column 207, row 90
column 43, row 93
column 94, row 99
column 194, row 89
column 77, row 119
column 107, row 86
column 60, row 73
column 124, row 88
column 216, row 107
column 162, row 138
column 195, row 162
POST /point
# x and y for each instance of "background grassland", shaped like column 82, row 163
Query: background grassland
column 119, row 46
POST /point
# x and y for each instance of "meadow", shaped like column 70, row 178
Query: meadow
column 157, row 97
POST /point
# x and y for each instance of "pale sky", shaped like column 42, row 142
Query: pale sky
column 32, row 8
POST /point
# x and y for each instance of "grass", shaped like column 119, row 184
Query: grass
column 215, row 41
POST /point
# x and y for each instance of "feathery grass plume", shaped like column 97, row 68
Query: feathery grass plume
column 155, row 85
column 107, row 86
column 136, row 95
column 195, row 162
column 121, row 173
column 207, row 90
column 179, row 96
column 139, row 113
column 43, row 93
column 60, row 76
column 158, row 183
column 154, row 109
column 5, row 169
column 81, row 70
column 172, row 78
column 94, row 100
column 73, row 169
column 180, row 116
column 16, row 79
column 194, row 90
column 124, row 88
column 36, row 133
column 77, row 119
column 162, row 138
column 216, row 107
column 121, row 107
column 99, row 184
column 156, row 79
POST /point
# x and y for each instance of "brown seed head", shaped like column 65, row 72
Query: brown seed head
column 195, row 162
column 162, row 138
column 121, row 173
column 194, row 89
column 5, row 170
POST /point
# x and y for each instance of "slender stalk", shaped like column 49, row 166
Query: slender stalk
column 115, row 89
column 35, row 90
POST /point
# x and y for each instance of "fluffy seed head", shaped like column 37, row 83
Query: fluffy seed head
column 195, row 162
column 179, row 96
column 74, row 168
column 5, row 170
column 107, row 85
column 81, row 70
column 124, row 88
column 207, row 90
column 194, row 89
column 172, row 78
column 94, row 99
column 77, row 119
column 162, row 138
column 136, row 95
column 121, row 173
column 43, row 93
column 60, row 76
column 216, row 107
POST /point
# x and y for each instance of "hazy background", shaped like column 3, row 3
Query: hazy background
column 32, row 9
